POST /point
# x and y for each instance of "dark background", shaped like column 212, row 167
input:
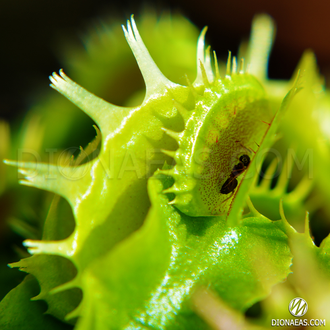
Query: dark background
column 30, row 31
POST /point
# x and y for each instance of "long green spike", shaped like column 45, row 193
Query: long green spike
column 153, row 77
column 58, row 179
column 106, row 115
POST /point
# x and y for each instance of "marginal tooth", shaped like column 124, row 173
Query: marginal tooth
column 18, row 264
column 241, row 67
column 172, row 190
column 204, row 75
column 169, row 191
column 59, row 179
column 66, row 286
column 153, row 77
column 193, row 90
column 260, row 45
column 75, row 313
column 170, row 172
column 20, row 170
column 307, row 231
column 252, row 209
column 234, row 69
column 41, row 296
column 106, row 115
column 165, row 172
column 216, row 65
column 269, row 175
column 228, row 67
column 208, row 67
column 175, row 135
column 61, row 248
column 289, row 230
column 181, row 108
column 170, row 153
column 301, row 191
column 200, row 56
column 284, row 177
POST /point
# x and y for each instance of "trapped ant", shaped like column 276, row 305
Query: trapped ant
column 231, row 183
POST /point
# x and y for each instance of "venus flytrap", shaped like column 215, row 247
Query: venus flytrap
column 80, row 194
column 310, row 108
column 94, row 218
column 145, row 238
column 203, row 251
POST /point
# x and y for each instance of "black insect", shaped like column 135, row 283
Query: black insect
column 231, row 183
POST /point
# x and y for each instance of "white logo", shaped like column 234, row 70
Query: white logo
column 298, row 307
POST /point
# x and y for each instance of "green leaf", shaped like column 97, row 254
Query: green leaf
column 147, row 280
column 17, row 311
column 53, row 271
column 136, row 258
column 126, row 277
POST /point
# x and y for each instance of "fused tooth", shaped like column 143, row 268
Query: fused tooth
column 55, row 178
column 106, row 115
column 154, row 79
column 61, row 248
